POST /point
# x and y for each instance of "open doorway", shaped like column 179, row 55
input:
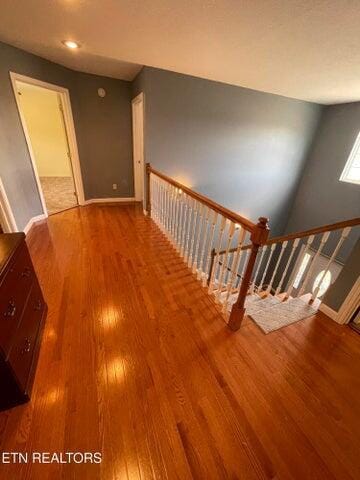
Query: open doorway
column 137, row 105
column 7, row 219
column 45, row 113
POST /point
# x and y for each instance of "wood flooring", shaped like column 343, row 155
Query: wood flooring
column 137, row 363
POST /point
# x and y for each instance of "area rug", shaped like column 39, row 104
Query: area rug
column 254, row 303
column 281, row 314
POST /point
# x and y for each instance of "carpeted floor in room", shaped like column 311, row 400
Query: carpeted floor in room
column 59, row 193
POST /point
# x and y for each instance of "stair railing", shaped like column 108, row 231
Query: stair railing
column 199, row 228
column 280, row 268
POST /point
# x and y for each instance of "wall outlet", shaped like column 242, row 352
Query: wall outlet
column 114, row 186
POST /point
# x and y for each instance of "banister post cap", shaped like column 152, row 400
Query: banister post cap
column 263, row 222
column 261, row 231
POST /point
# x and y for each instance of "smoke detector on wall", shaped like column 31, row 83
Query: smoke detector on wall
column 101, row 92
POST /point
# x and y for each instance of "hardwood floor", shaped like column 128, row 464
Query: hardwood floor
column 137, row 363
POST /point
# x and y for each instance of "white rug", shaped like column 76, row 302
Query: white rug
column 280, row 314
column 254, row 303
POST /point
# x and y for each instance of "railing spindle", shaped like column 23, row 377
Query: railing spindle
column 193, row 233
column 283, row 246
column 216, row 260
column 293, row 249
column 297, row 266
column 343, row 237
column 234, row 267
column 272, row 248
column 201, row 219
column 209, row 248
column 206, row 229
column 225, row 259
column 310, row 269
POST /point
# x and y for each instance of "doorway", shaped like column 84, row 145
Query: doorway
column 138, row 146
column 7, row 219
column 45, row 114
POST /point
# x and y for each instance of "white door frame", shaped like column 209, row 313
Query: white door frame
column 7, row 218
column 350, row 304
column 70, row 130
column 138, row 136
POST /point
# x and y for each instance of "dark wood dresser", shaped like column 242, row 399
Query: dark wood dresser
column 22, row 317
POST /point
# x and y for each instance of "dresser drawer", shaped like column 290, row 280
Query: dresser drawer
column 14, row 291
column 21, row 353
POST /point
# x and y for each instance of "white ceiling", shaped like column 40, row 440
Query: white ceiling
column 308, row 49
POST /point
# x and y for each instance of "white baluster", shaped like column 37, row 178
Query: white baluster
column 344, row 235
column 163, row 196
column 283, row 246
column 169, row 211
column 174, row 223
column 253, row 284
column 216, row 259
column 188, row 228
column 170, row 190
column 294, row 247
column 177, row 218
column 181, row 212
column 225, row 260
column 165, row 207
column 247, row 254
column 201, row 221
column 297, row 266
column 153, row 197
column 206, row 229
column 234, row 267
column 184, row 227
column 156, row 198
column 172, row 212
column 313, row 261
column 193, row 233
column 209, row 247
column 272, row 248
column 160, row 204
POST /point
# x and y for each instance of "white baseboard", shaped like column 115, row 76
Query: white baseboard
column 33, row 220
column 329, row 312
column 110, row 200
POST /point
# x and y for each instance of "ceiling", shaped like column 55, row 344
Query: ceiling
column 306, row 49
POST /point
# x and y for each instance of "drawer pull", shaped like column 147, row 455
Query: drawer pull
column 38, row 305
column 10, row 312
column 27, row 347
column 26, row 273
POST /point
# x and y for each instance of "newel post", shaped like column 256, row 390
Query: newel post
column 258, row 237
column 147, row 183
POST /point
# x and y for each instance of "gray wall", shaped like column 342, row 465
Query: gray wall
column 321, row 198
column 105, row 136
column 243, row 148
column 108, row 157
column 15, row 164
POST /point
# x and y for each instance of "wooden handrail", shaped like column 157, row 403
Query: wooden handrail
column 306, row 233
column 258, row 235
column 234, row 217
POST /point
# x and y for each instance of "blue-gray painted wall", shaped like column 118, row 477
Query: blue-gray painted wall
column 243, row 148
column 103, row 129
column 321, row 198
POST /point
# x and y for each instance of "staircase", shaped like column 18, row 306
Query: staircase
column 271, row 279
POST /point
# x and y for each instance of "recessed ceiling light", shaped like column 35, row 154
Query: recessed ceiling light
column 71, row 44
